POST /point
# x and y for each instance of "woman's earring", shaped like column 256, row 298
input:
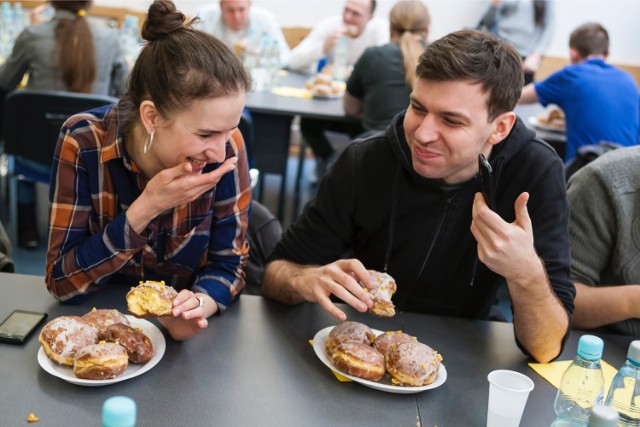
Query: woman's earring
column 149, row 142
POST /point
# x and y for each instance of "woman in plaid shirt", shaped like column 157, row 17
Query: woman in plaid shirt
column 156, row 187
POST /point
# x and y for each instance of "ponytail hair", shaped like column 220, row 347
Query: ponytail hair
column 409, row 20
column 74, row 52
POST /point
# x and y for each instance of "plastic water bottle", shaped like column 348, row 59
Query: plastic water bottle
column 18, row 18
column 6, row 29
column 340, row 59
column 119, row 411
column 603, row 416
column 624, row 393
column 129, row 38
column 581, row 386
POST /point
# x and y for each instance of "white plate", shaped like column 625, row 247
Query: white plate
column 133, row 370
column 320, row 343
column 535, row 122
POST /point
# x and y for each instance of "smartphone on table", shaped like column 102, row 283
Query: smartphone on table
column 486, row 181
column 19, row 325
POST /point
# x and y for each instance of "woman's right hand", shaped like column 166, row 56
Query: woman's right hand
column 173, row 187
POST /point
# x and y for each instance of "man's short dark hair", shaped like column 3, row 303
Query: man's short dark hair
column 476, row 57
column 373, row 6
column 590, row 39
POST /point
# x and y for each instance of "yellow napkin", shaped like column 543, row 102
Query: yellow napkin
column 553, row 371
column 293, row 92
column 340, row 378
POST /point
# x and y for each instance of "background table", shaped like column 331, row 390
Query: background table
column 254, row 366
column 272, row 116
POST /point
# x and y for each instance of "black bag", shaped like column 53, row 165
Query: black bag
column 586, row 154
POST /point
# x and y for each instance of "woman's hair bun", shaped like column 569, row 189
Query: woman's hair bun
column 163, row 18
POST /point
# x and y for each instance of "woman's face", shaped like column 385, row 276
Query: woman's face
column 197, row 135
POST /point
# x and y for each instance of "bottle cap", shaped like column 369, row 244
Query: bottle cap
column 603, row 416
column 634, row 352
column 590, row 347
column 119, row 411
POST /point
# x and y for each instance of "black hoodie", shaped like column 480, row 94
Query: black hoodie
column 374, row 207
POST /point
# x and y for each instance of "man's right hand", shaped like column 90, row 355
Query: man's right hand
column 331, row 40
column 340, row 278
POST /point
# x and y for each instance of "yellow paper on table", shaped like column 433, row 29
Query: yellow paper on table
column 340, row 378
column 293, row 92
column 552, row 372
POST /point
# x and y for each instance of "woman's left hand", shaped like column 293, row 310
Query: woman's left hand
column 189, row 315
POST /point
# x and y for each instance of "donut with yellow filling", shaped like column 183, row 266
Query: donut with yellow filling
column 349, row 332
column 151, row 299
column 413, row 364
column 100, row 361
column 64, row 336
column 360, row 360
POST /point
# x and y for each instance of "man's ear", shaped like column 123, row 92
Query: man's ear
column 149, row 115
column 503, row 125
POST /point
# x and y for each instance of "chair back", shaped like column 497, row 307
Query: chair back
column 32, row 120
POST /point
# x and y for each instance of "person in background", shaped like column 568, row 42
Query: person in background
column 156, row 187
column 604, row 197
column 407, row 202
column 357, row 23
column 384, row 76
column 67, row 53
column 240, row 25
column 527, row 24
column 358, row 27
column 600, row 102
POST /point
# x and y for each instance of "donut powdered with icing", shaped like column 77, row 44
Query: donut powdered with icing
column 349, row 332
column 64, row 336
column 104, row 317
column 360, row 360
column 385, row 287
column 136, row 343
column 100, row 361
column 151, row 299
column 413, row 364
column 387, row 340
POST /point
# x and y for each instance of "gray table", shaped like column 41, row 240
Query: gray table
column 254, row 366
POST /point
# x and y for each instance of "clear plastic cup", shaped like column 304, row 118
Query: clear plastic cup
column 508, row 393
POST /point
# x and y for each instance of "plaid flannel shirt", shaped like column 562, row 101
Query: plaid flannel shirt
column 200, row 245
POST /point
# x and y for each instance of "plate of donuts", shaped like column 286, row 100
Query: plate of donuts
column 386, row 383
column 133, row 369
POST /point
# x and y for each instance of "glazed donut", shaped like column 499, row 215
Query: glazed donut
column 360, row 360
column 64, row 336
column 385, row 287
column 103, row 318
column 349, row 332
column 100, row 361
column 151, row 299
column 385, row 341
column 413, row 364
column 137, row 344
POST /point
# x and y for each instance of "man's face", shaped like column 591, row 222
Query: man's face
column 446, row 127
column 356, row 16
column 235, row 13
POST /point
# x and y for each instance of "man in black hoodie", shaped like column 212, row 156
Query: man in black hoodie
column 407, row 202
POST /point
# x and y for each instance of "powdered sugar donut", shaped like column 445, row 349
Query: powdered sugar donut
column 64, row 336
